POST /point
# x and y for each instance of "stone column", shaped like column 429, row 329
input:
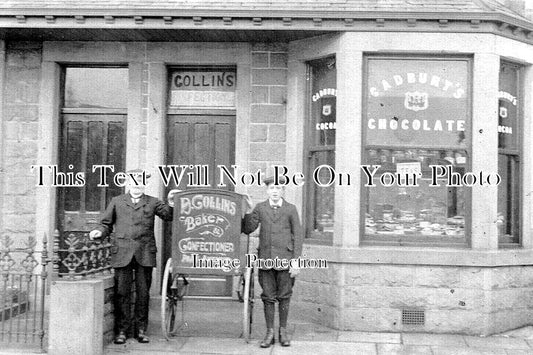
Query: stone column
column 485, row 149
column 348, row 142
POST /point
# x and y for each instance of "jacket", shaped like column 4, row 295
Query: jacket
column 281, row 232
column 132, row 228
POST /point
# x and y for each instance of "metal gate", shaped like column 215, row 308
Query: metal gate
column 23, row 277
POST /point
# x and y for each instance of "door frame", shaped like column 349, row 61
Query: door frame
column 198, row 116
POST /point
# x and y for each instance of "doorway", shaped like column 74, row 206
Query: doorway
column 208, row 140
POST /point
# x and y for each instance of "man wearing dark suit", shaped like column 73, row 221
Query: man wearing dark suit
column 280, row 236
column 129, row 219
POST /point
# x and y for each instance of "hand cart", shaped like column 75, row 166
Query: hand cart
column 206, row 232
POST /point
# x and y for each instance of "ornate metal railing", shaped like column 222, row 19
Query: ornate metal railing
column 77, row 257
column 22, row 290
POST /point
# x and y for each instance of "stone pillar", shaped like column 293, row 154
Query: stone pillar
column 485, row 149
column 268, row 121
column 2, row 129
column 76, row 317
column 349, row 142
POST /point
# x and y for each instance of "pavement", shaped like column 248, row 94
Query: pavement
column 214, row 327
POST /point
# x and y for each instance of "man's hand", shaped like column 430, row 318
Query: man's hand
column 170, row 196
column 294, row 271
column 95, row 234
column 248, row 204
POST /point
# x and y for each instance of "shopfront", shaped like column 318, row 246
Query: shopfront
column 429, row 229
column 413, row 132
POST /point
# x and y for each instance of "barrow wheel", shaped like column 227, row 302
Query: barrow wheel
column 248, row 295
column 172, row 305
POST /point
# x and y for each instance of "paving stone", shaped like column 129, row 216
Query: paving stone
column 222, row 346
column 453, row 350
column 496, row 342
column 518, row 352
column 367, row 337
column 398, row 349
column 433, row 339
column 325, row 348
column 314, row 332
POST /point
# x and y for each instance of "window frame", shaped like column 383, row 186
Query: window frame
column 415, row 241
column 309, row 149
column 519, row 152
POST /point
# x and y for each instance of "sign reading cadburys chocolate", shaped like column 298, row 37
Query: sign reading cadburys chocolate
column 417, row 102
column 206, row 226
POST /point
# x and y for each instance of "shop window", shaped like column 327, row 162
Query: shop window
column 509, row 154
column 320, row 145
column 416, row 131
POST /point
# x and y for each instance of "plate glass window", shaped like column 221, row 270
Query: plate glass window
column 417, row 137
column 509, row 153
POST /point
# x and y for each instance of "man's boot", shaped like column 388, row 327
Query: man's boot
column 269, row 338
column 269, row 317
column 283, row 316
column 284, row 337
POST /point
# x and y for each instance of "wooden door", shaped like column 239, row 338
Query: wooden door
column 87, row 140
column 201, row 140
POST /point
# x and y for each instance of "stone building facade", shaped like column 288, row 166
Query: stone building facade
column 455, row 271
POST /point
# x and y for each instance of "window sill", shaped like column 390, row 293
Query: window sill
column 406, row 255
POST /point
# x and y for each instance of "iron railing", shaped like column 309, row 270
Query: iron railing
column 77, row 257
column 22, row 290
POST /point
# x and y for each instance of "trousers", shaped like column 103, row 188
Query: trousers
column 124, row 279
column 276, row 284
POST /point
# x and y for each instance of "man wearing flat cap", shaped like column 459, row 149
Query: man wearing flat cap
column 280, row 236
column 129, row 219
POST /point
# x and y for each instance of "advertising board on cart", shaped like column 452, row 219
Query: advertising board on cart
column 206, row 230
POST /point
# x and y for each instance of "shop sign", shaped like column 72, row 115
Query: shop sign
column 326, row 98
column 203, row 88
column 206, row 227
column 506, row 113
column 508, row 107
column 417, row 102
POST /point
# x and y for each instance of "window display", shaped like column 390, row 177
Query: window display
column 321, row 129
column 417, row 116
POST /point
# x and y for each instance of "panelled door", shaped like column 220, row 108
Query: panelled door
column 201, row 139
column 87, row 140
column 93, row 132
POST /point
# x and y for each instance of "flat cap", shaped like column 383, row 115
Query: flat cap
column 282, row 180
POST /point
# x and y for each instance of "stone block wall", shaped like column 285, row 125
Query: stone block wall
column 145, row 100
column 20, row 134
column 268, row 108
column 456, row 299
column 109, row 317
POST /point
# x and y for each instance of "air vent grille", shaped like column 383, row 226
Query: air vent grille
column 413, row 317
